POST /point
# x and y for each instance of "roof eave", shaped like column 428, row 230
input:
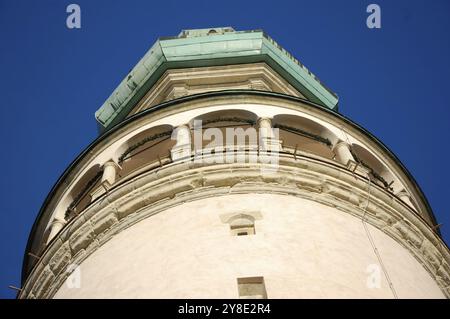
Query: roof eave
column 234, row 48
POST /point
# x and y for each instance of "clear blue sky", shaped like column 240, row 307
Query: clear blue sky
column 392, row 81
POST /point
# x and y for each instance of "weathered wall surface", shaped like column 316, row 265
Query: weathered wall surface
column 302, row 248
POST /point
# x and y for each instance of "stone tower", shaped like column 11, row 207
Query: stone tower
column 223, row 169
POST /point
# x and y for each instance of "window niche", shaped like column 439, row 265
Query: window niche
column 242, row 225
column 252, row 288
column 242, row 230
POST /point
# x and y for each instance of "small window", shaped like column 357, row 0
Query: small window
column 252, row 288
column 242, row 230
column 241, row 224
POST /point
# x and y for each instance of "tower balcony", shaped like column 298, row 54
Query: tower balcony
column 155, row 160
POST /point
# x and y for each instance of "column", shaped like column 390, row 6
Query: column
column 109, row 172
column 108, row 178
column 55, row 228
column 405, row 197
column 343, row 154
column 267, row 138
column 182, row 149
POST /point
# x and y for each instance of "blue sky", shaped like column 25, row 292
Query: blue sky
column 393, row 81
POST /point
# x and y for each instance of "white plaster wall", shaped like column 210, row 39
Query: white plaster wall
column 302, row 248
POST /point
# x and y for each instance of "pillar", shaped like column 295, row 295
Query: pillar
column 343, row 154
column 405, row 197
column 108, row 179
column 267, row 138
column 182, row 148
column 55, row 228
column 109, row 172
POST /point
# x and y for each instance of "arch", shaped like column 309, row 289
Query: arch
column 226, row 116
column 241, row 224
column 379, row 171
column 221, row 120
column 241, row 219
column 80, row 193
column 144, row 148
column 309, row 135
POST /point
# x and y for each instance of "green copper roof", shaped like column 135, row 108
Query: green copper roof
column 209, row 47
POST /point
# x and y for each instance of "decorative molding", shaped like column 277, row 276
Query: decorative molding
column 159, row 189
column 168, row 114
column 175, row 83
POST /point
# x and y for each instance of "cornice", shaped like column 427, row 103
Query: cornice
column 156, row 190
column 234, row 47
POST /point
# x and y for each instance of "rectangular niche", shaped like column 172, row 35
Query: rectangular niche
column 252, row 288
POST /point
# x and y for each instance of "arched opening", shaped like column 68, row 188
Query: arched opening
column 81, row 192
column 378, row 170
column 150, row 146
column 228, row 128
column 300, row 133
